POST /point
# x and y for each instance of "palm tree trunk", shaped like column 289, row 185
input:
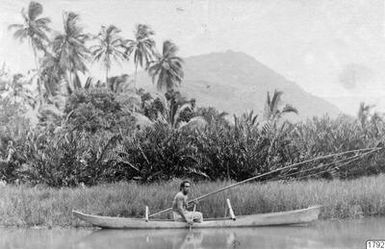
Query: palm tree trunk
column 38, row 74
column 136, row 74
column 70, row 80
column 107, row 84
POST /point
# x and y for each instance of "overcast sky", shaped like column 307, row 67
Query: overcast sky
column 333, row 49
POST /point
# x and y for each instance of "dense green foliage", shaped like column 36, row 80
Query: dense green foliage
column 97, row 110
column 98, row 140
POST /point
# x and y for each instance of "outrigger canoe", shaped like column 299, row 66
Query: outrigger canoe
column 294, row 217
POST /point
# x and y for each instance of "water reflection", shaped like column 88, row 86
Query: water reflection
column 203, row 239
column 170, row 239
column 323, row 234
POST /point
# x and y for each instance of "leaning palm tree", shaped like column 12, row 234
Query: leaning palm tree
column 142, row 47
column 167, row 69
column 71, row 50
column 110, row 46
column 35, row 30
column 272, row 110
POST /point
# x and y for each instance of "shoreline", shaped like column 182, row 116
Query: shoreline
column 92, row 228
column 40, row 207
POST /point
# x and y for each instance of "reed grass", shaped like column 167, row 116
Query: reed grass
column 21, row 205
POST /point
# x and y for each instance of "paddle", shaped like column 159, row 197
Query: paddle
column 372, row 149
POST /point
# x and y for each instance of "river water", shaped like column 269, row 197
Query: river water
column 322, row 234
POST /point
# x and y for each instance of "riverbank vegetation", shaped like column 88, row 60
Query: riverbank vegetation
column 93, row 132
column 41, row 206
column 97, row 141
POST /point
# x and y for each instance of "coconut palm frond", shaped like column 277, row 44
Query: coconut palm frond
column 272, row 104
column 34, row 10
column 167, row 70
column 289, row 108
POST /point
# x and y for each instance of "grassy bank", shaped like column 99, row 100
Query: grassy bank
column 42, row 206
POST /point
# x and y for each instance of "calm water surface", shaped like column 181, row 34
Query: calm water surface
column 322, row 234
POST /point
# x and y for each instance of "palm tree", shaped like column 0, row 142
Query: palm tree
column 35, row 30
column 109, row 47
column 142, row 47
column 167, row 69
column 272, row 110
column 70, row 49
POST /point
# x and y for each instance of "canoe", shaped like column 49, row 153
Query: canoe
column 294, row 217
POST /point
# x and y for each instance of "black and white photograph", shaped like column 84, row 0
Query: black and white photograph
column 192, row 124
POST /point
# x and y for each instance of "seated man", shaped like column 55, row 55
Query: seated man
column 179, row 206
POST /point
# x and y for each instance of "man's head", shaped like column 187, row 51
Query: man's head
column 185, row 187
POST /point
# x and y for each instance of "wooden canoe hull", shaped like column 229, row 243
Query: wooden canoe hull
column 294, row 217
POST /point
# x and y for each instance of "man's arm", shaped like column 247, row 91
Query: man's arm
column 192, row 204
column 180, row 206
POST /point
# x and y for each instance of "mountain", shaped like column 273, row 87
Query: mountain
column 235, row 82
